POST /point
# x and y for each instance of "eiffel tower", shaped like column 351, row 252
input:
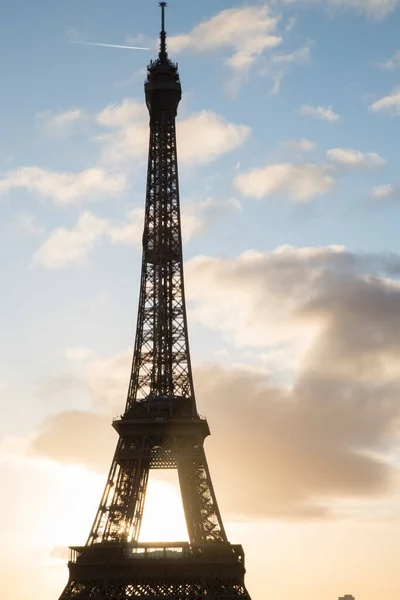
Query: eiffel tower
column 160, row 428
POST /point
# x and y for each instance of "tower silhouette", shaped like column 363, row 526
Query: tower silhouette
column 160, row 428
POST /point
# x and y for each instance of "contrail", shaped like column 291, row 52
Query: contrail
column 111, row 45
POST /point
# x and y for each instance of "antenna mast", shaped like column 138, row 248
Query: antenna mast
column 163, row 35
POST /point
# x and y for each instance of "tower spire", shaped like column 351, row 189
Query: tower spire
column 163, row 35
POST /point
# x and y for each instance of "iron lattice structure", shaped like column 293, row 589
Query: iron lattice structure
column 160, row 428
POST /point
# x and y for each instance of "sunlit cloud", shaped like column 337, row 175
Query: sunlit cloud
column 390, row 103
column 61, row 123
column 355, row 159
column 300, row 182
column 385, row 192
column 303, row 145
column 63, row 188
column 203, row 137
column 326, row 113
column 247, row 32
column 65, row 246
column 375, row 9
column 317, row 301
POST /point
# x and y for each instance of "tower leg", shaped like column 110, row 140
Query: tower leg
column 203, row 518
column 121, row 509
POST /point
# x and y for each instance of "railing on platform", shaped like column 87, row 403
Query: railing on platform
column 155, row 553
column 160, row 551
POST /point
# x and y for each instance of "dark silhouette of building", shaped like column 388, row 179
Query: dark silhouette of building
column 160, row 428
column 347, row 597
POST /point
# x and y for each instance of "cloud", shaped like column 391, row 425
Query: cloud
column 301, row 55
column 307, row 444
column 390, row 63
column 302, row 463
column 59, row 124
column 28, row 223
column 301, row 183
column 303, row 145
column 78, row 354
column 384, row 192
column 198, row 217
column 343, row 304
column 319, row 112
column 390, row 103
column 202, row 137
column 376, row 9
column 129, row 231
column 373, row 8
column 119, row 115
column 67, row 246
column 276, row 278
column 90, row 451
column 206, row 135
column 63, row 188
column 355, row 159
column 247, row 31
column 279, row 64
column 327, row 431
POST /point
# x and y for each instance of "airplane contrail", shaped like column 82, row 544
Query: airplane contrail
column 110, row 45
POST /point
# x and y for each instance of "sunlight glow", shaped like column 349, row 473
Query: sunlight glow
column 163, row 518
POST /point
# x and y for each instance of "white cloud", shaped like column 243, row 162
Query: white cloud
column 129, row 231
column 355, row 159
column 325, row 113
column 61, row 123
column 390, row 103
column 67, row 246
column 202, row 137
column 205, row 136
column 278, row 64
column 302, row 145
column 28, row 223
column 290, row 24
column 382, row 192
column 247, row 31
column 198, row 217
column 376, row 9
column 119, row 115
column 63, row 188
column 300, row 182
column 390, row 63
column 301, row 55
column 78, row 354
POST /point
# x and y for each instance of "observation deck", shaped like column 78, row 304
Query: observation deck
column 162, row 415
column 156, row 560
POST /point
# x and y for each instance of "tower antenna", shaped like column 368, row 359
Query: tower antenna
column 163, row 35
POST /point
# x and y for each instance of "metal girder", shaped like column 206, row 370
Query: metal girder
column 192, row 589
column 161, row 360
column 120, row 512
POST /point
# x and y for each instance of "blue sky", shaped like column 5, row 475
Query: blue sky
column 288, row 141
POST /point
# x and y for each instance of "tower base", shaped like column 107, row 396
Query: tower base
column 159, row 571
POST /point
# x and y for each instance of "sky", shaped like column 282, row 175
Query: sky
column 288, row 146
